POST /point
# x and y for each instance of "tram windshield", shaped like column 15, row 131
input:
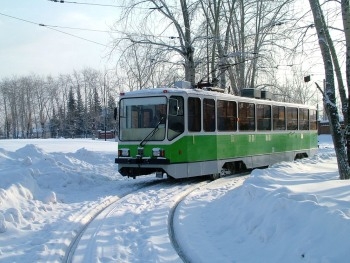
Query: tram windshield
column 140, row 116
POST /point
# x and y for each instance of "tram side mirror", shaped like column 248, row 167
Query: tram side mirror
column 115, row 114
column 173, row 107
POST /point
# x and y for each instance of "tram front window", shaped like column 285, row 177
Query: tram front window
column 138, row 117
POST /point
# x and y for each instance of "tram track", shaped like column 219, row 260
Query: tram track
column 83, row 246
column 101, row 207
column 138, row 224
column 172, row 233
column 171, row 229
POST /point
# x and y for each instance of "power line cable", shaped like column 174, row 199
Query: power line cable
column 19, row 19
column 102, row 5
column 85, row 29
column 84, row 3
column 75, row 36
column 82, row 29
column 53, row 28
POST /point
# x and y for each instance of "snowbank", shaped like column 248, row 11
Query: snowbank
column 290, row 212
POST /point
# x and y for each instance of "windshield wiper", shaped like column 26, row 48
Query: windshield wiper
column 146, row 139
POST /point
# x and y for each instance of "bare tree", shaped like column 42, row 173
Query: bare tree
column 10, row 90
column 7, row 117
column 139, row 67
column 42, row 98
column 243, row 38
column 226, row 36
column 177, row 20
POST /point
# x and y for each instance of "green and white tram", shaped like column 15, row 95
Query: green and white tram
column 193, row 132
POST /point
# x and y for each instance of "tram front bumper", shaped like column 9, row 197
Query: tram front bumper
column 132, row 167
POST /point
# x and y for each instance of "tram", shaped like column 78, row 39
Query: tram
column 187, row 132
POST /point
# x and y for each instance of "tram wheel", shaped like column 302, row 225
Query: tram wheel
column 214, row 176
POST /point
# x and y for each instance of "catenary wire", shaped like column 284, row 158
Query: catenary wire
column 53, row 28
column 81, row 29
column 102, row 5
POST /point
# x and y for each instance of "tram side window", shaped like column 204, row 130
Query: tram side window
column 209, row 115
column 246, row 115
column 313, row 120
column 176, row 121
column 194, row 114
column 227, row 115
column 292, row 118
column 263, row 113
column 279, row 118
column 303, row 119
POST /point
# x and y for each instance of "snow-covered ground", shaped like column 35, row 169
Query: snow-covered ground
column 290, row 212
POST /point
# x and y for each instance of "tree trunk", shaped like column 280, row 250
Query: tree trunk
column 329, row 97
column 345, row 6
column 188, row 48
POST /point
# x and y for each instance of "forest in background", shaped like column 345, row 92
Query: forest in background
column 70, row 106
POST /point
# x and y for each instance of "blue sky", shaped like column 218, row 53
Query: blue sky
column 27, row 48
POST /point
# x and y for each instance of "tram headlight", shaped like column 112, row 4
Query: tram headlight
column 158, row 152
column 124, row 152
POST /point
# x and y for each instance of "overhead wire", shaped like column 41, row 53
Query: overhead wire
column 109, row 5
column 92, row 41
column 52, row 27
column 102, row 5
column 60, row 31
column 82, row 29
column 83, row 3
column 24, row 20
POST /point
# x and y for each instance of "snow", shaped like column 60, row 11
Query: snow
column 290, row 212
